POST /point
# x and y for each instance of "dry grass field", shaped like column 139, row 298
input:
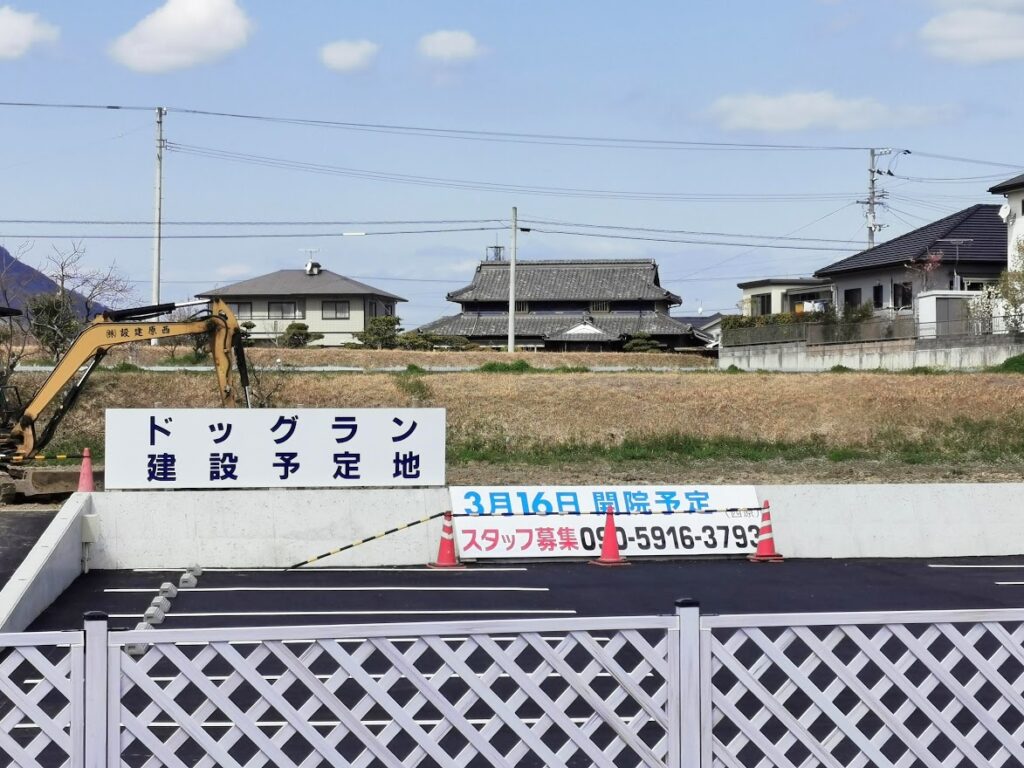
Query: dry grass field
column 567, row 427
column 374, row 359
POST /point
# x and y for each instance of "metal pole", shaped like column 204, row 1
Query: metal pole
column 158, row 202
column 512, row 284
column 871, row 200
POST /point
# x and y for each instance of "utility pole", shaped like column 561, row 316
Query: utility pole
column 158, row 203
column 512, row 283
column 875, row 196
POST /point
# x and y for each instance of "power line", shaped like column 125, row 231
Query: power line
column 486, row 186
column 686, row 231
column 505, row 136
column 687, row 241
column 247, row 235
column 242, row 223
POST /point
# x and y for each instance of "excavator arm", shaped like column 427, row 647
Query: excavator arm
column 110, row 330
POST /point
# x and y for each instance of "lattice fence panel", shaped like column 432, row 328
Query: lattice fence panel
column 569, row 698
column 928, row 695
column 41, row 700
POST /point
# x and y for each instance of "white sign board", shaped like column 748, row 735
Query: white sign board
column 538, row 522
column 274, row 448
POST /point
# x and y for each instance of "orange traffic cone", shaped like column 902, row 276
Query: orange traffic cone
column 85, row 475
column 765, row 541
column 446, row 551
column 610, row 544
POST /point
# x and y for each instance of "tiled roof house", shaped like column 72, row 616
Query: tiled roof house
column 566, row 305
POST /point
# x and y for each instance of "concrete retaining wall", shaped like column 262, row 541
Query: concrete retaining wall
column 798, row 357
column 906, row 520
column 49, row 568
column 278, row 528
column 272, row 528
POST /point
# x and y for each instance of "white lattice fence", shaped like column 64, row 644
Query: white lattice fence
column 936, row 690
column 41, row 699
column 531, row 693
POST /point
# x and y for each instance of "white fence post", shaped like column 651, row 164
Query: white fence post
column 95, row 690
column 688, row 694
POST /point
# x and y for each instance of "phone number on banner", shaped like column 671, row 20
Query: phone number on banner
column 717, row 533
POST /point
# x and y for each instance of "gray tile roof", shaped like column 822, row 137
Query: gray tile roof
column 698, row 321
column 980, row 224
column 608, row 280
column 590, row 333
column 1008, row 186
column 471, row 325
column 295, row 282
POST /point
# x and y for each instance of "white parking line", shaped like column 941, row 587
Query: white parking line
column 200, row 614
column 336, row 589
column 1010, row 583
column 952, row 565
column 401, row 569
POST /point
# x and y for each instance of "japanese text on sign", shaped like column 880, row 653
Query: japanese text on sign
column 223, row 448
column 561, row 500
column 539, row 522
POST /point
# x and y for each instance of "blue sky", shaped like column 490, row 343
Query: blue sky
column 932, row 76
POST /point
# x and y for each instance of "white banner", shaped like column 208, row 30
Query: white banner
column 543, row 500
column 639, row 535
column 274, row 448
column 559, row 521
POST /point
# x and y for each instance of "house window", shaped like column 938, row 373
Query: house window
column 978, row 283
column 903, row 295
column 761, row 304
column 241, row 309
column 876, row 297
column 281, row 310
column 522, row 306
column 600, row 306
column 373, row 309
column 389, row 310
column 334, row 310
column 852, row 297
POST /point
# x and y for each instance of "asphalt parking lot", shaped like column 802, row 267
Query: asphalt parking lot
column 226, row 597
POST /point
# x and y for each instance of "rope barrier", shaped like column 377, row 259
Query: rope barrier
column 18, row 459
column 428, row 518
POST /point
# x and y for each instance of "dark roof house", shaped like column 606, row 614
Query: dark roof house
column 564, row 305
column 963, row 251
column 979, row 227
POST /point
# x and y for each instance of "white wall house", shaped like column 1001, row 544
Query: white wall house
column 1012, row 212
column 962, row 252
column 328, row 303
column 769, row 296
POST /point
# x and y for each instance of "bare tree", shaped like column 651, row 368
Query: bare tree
column 81, row 292
column 105, row 286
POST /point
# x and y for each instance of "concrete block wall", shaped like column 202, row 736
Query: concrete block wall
column 271, row 528
column 798, row 357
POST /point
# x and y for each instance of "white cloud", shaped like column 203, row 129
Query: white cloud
column 450, row 46
column 183, row 33
column 977, row 31
column 801, row 111
column 20, row 31
column 349, row 55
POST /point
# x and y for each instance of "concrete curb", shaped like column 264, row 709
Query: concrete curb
column 49, row 568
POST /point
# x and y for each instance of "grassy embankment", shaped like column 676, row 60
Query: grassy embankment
column 575, row 424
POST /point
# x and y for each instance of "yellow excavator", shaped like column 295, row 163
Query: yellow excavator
column 19, row 440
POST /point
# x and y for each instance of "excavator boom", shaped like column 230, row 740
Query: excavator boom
column 19, row 439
